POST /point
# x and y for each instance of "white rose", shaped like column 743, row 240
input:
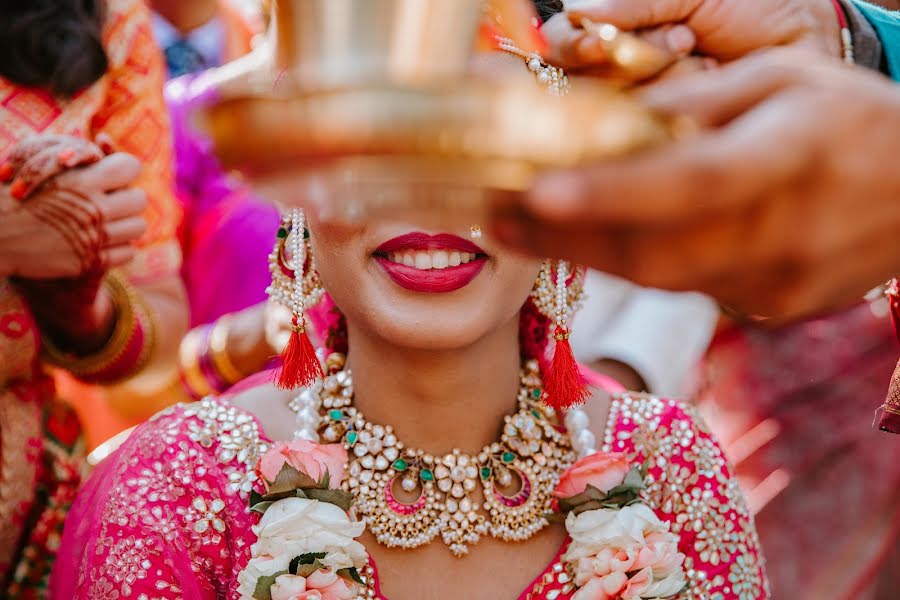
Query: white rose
column 667, row 587
column 261, row 566
column 295, row 526
column 594, row 530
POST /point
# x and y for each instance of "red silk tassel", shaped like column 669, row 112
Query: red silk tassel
column 300, row 366
column 564, row 384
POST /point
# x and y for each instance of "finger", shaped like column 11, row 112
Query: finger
column 712, row 98
column 631, row 14
column 571, row 47
column 117, row 256
column 125, row 231
column 38, row 169
column 122, row 204
column 111, row 173
column 711, row 172
column 25, row 150
column 80, row 155
column 106, row 143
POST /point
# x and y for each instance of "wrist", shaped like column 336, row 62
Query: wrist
column 78, row 319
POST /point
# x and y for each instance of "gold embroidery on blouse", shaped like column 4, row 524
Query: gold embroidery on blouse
column 704, row 500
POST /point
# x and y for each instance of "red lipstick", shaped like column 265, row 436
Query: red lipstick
column 431, row 281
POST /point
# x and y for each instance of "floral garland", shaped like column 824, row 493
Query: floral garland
column 620, row 549
column 307, row 548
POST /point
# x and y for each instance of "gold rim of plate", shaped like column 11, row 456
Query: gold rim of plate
column 478, row 134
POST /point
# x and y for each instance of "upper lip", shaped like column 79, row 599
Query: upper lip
column 424, row 241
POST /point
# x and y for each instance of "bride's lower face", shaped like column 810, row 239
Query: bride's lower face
column 430, row 290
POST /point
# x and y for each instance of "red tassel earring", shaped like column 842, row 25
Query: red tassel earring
column 564, row 384
column 295, row 285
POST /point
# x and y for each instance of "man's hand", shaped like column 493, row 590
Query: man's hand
column 787, row 203
column 725, row 29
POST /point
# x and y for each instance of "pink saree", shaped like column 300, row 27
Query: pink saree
column 166, row 516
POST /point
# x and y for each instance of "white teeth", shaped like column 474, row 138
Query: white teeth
column 423, row 261
column 440, row 260
column 431, row 259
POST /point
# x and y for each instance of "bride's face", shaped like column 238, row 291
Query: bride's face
column 429, row 290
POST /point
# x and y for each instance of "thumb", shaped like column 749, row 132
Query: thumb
column 111, row 173
column 631, row 14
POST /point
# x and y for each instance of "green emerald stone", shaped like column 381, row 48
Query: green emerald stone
column 426, row 475
column 336, row 415
column 282, row 233
column 485, row 473
column 399, row 465
column 536, row 414
column 305, row 233
column 352, row 436
column 508, row 457
column 536, row 393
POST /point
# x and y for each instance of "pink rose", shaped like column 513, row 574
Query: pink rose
column 639, row 583
column 603, row 588
column 288, row 587
column 331, row 586
column 661, row 553
column 324, row 584
column 604, row 471
column 307, row 457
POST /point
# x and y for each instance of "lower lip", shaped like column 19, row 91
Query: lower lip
column 432, row 281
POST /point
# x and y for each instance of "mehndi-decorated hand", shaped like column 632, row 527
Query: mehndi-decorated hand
column 62, row 219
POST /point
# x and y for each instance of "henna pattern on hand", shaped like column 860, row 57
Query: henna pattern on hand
column 76, row 219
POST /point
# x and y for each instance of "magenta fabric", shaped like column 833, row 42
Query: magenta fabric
column 228, row 231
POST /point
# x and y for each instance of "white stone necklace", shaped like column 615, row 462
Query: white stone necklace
column 408, row 497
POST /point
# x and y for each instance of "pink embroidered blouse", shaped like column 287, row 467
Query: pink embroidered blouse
column 166, row 517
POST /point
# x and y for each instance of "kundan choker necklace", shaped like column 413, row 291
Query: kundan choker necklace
column 408, row 497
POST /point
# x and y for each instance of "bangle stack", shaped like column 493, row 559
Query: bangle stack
column 206, row 367
column 129, row 347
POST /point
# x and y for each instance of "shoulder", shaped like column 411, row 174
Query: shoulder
column 691, row 485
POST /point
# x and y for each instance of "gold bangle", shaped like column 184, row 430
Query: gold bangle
column 218, row 350
column 133, row 317
column 189, row 359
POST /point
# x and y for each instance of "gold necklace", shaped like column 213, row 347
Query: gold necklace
column 408, row 497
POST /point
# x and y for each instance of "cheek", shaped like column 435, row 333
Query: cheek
column 337, row 259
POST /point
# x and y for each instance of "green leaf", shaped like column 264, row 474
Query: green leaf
column 290, row 479
column 326, row 480
column 263, row 589
column 351, row 574
column 255, row 498
column 261, row 507
column 307, row 570
column 311, row 557
column 339, row 498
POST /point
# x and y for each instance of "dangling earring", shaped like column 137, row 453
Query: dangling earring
column 295, row 285
column 558, row 294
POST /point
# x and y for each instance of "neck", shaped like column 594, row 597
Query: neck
column 186, row 16
column 438, row 400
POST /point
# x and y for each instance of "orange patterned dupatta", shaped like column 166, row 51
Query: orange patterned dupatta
column 40, row 441
column 126, row 104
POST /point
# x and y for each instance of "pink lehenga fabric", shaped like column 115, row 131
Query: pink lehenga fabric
column 166, row 516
